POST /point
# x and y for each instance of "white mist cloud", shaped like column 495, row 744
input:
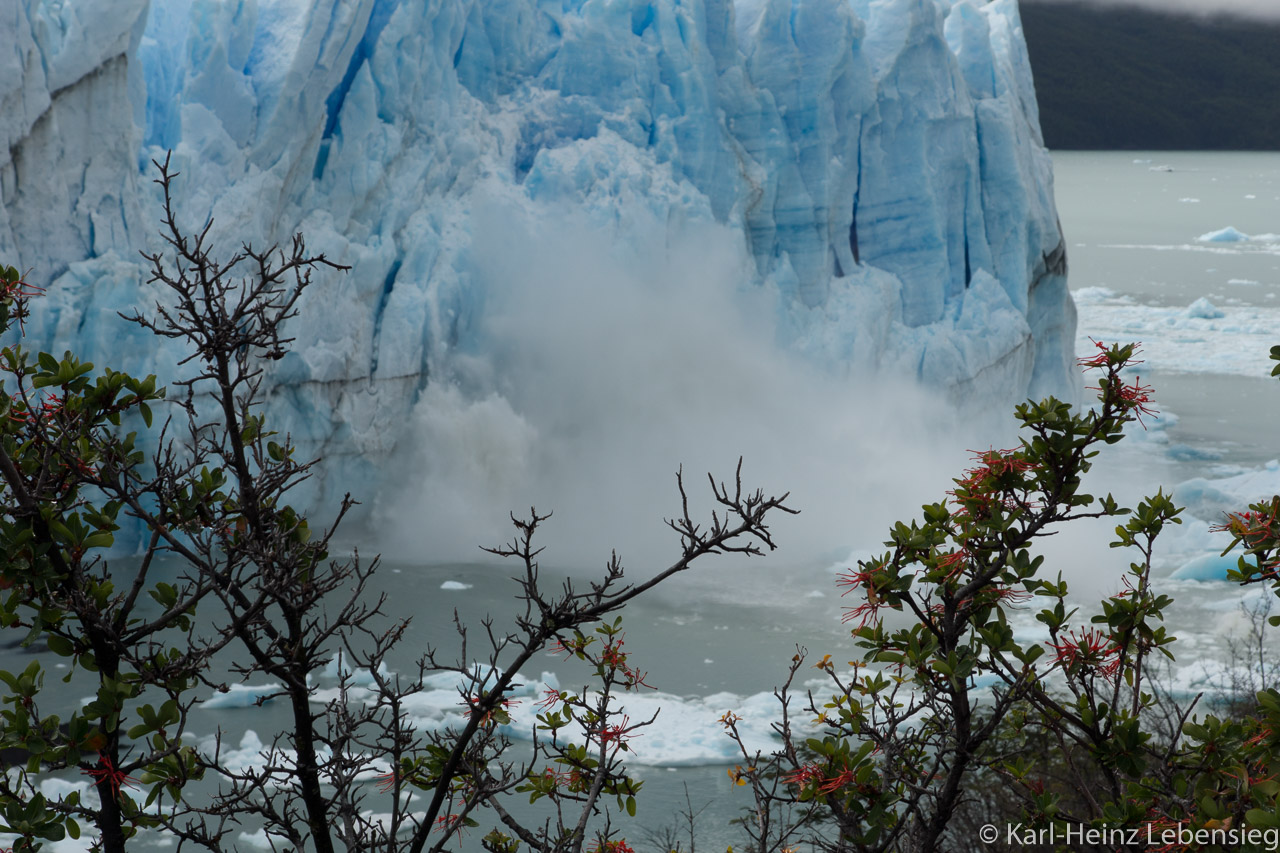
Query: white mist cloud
column 607, row 364
column 1265, row 9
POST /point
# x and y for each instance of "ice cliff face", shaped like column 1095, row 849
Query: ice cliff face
column 874, row 166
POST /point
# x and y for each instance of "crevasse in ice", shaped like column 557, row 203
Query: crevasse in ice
column 875, row 167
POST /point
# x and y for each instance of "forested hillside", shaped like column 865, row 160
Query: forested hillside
column 1133, row 79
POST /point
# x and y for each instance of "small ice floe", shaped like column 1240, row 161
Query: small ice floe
column 1230, row 234
column 1189, row 200
column 1251, row 196
column 1162, row 167
column 1211, row 499
column 1209, row 567
column 1203, row 309
column 339, row 667
column 242, row 696
column 455, row 585
column 1243, row 282
column 250, row 754
column 1093, row 294
column 257, row 840
column 1188, row 453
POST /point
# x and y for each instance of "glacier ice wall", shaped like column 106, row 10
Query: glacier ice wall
column 875, row 166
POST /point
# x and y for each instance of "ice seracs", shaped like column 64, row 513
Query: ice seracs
column 877, row 165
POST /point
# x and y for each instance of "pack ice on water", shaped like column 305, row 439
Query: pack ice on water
column 872, row 171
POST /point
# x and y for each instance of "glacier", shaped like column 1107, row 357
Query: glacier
column 868, row 175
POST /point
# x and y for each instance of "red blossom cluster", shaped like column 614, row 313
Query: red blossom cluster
column 863, row 579
column 50, row 407
column 1008, row 594
column 1261, row 737
column 614, row 846
column 570, row 647
column 619, row 733
column 560, row 779
column 1088, row 648
column 954, row 563
column 1255, row 530
column 19, row 289
column 550, row 698
column 981, row 490
column 864, row 613
column 813, row 774
column 615, row 659
column 107, row 773
column 451, row 823
column 1135, row 398
column 1252, row 528
column 387, row 781
column 1099, row 359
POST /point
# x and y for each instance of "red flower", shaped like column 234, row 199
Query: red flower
column 955, row 563
column 812, row 774
column 619, row 846
column 620, row 733
column 451, row 823
column 834, row 783
column 856, row 580
column 864, row 613
column 1253, row 528
column 1010, row 595
column 615, row 659
column 19, row 289
column 995, row 482
column 865, row 578
column 550, row 697
column 1098, row 359
column 1135, row 398
column 1091, row 649
column 996, row 463
column 804, row 775
column 1260, row 738
column 106, row 773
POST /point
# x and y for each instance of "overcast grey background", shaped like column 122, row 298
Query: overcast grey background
column 1269, row 9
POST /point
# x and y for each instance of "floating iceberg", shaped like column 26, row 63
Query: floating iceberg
column 1203, row 309
column 1224, row 235
column 1209, row 567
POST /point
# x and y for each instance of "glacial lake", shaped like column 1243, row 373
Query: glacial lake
column 719, row 639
